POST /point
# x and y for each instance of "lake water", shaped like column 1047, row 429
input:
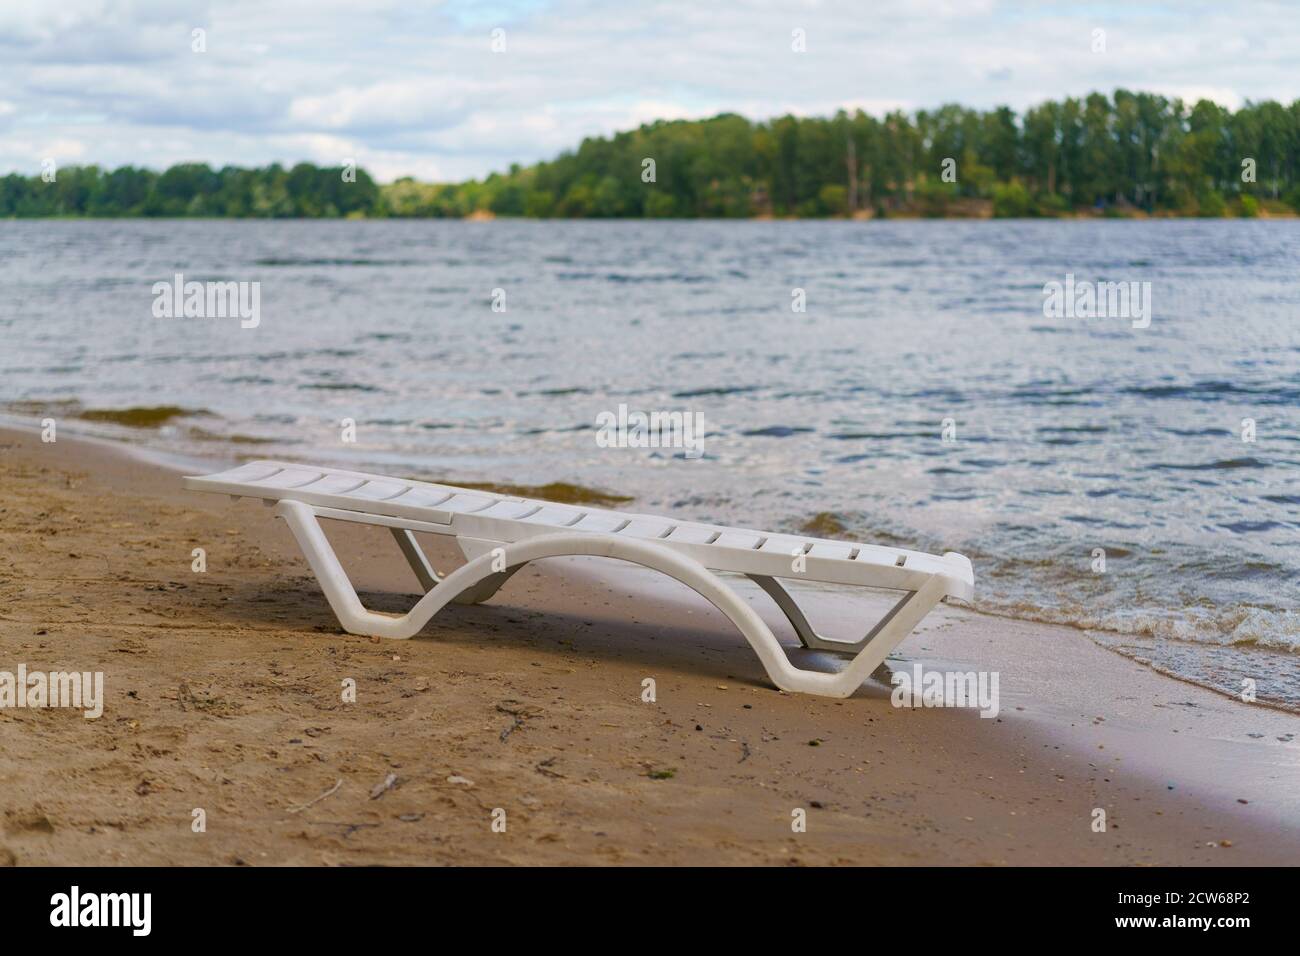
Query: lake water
column 1064, row 435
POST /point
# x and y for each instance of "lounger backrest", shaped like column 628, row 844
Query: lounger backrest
column 504, row 518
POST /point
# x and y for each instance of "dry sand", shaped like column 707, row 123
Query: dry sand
column 223, row 693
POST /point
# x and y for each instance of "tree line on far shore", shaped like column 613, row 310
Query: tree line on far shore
column 193, row 189
column 1126, row 154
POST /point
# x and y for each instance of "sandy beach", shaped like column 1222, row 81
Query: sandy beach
column 222, row 694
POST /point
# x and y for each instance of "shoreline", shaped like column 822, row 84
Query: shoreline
column 182, row 463
column 222, row 693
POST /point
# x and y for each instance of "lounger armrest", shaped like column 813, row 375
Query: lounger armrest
column 961, row 576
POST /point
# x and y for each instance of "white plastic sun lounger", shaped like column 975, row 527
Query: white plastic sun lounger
column 499, row 534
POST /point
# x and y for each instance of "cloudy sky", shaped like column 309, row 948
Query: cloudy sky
column 415, row 88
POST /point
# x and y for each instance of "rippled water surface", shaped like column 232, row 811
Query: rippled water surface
column 1071, row 435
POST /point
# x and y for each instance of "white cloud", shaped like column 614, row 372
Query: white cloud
column 409, row 88
column 425, row 104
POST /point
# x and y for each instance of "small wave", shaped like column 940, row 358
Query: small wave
column 1108, row 493
column 1049, row 394
column 1273, row 629
column 1213, row 390
column 1222, row 464
column 856, row 436
column 559, row 392
column 776, row 431
column 557, row 430
column 1069, row 435
column 1062, row 441
column 1249, row 527
column 718, row 390
column 1197, row 432
column 626, row 278
column 339, row 387
column 248, row 380
column 623, row 277
column 289, row 261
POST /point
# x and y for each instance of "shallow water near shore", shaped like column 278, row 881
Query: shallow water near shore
column 1069, row 440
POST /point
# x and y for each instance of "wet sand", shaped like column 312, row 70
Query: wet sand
column 223, row 694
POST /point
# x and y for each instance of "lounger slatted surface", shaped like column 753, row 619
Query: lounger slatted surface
column 500, row 534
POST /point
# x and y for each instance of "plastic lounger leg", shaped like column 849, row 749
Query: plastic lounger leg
column 416, row 558
column 356, row 619
column 809, row 637
column 429, row 578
